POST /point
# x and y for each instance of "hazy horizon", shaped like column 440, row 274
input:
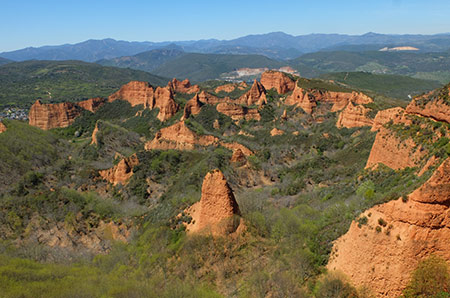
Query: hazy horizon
column 49, row 22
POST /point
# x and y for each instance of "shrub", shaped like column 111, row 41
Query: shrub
column 430, row 279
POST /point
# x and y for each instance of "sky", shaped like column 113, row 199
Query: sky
column 25, row 23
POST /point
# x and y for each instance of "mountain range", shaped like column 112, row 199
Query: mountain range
column 276, row 45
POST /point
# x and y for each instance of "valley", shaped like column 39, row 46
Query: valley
column 280, row 186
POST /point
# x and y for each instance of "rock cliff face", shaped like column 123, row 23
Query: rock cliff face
column 121, row 172
column 236, row 146
column 92, row 104
column 354, row 116
column 182, row 87
column 142, row 93
column 436, row 109
column 94, row 140
column 238, row 157
column 217, row 212
column 136, row 93
column 165, row 102
column 192, row 107
column 341, row 99
column 238, row 112
column 278, row 80
column 48, row 116
column 255, row 96
column 395, row 114
column 276, row 132
column 302, row 99
column 393, row 152
column 226, row 88
column 2, row 127
column 210, row 99
column 382, row 253
column 308, row 99
column 180, row 137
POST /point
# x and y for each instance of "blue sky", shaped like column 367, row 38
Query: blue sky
column 26, row 23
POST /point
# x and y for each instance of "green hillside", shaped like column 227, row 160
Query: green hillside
column 4, row 61
column 431, row 66
column 202, row 67
column 146, row 61
column 396, row 86
column 21, row 83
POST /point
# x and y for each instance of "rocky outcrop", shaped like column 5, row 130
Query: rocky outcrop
column 437, row 109
column 136, row 93
column 217, row 212
column 142, row 93
column 94, row 139
column 2, row 127
column 354, row 116
column 238, row 157
column 210, row 99
column 92, row 104
column 396, row 115
column 278, row 80
column 302, row 99
column 192, row 107
column 308, row 99
column 255, row 96
column 381, row 253
column 276, row 132
column 163, row 99
column 48, row 116
column 393, row 152
column 179, row 137
column 341, row 99
column 236, row 146
column 182, row 87
column 227, row 88
column 121, row 172
column 238, row 112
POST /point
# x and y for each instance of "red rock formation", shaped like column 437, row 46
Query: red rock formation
column 180, row 137
column 163, row 98
column 92, row 104
column 217, row 212
column 393, row 152
column 302, row 99
column 236, row 146
column 307, row 100
column 210, row 99
column 436, row 109
column 384, row 116
column 192, row 107
column 278, row 80
column 238, row 157
column 48, row 116
column 121, row 172
column 408, row 232
column 2, row 127
column 226, row 88
column 276, row 132
column 94, row 139
column 238, row 112
column 182, row 87
column 136, row 93
column 255, row 96
column 242, row 85
column 354, row 116
column 341, row 99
